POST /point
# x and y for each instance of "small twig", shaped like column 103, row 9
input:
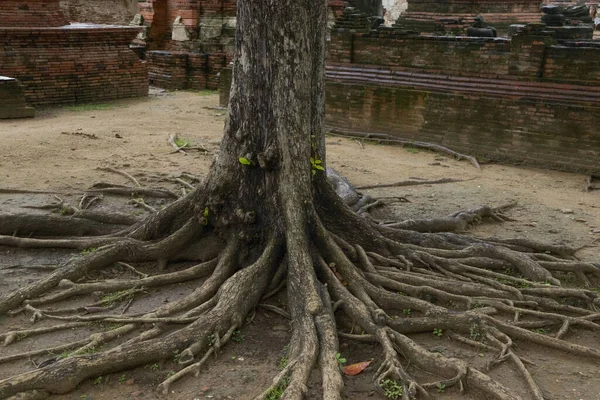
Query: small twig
column 142, row 203
column 122, row 173
column 414, row 183
column 132, row 269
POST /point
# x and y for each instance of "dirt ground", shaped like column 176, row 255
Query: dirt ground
column 62, row 149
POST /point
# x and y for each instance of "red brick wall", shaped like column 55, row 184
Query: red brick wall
column 66, row 65
column 31, row 13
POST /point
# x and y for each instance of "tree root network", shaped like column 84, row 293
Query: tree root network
column 390, row 280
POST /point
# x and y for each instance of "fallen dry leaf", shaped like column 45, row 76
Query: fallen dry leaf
column 355, row 369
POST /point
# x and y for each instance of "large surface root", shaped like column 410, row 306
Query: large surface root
column 390, row 281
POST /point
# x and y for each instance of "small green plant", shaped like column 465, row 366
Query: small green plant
column 98, row 381
column 182, row 142
column 441, row 387
column 438, row 332
column 341, row 360
column 206, row 216
column 283, row 362
column 316, row 165
column 88, row 251
column 276, row 393
column 392, row 389
column 237, row 336
column 541, row 330
column 212, row 339
column 154, row 367
column 122, row 379
column 474, row 332
column 413, row 150
column 90, row 107
column 407, row 311
column 477, row 305
column 245, row 161
column 170, row 374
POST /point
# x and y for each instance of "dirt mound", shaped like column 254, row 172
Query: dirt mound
column 114, row 12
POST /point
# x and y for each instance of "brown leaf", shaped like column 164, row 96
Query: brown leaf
column 355, row 369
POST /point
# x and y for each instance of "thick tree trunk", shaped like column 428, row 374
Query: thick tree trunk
column 275, row 117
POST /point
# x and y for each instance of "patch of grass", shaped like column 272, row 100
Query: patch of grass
column 283, row 362
column 237, row 336
column 276, row 393
column 413, row 150
column 98, row 381
column 392, row 389
column 88, row 250
column 110, row 299
column 122, row 379
column 154, row 367
column 91, row 107
column 474, row 332
column 541, row 330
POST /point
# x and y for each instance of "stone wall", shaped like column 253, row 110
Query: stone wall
column 529, row 99
column 73, row 64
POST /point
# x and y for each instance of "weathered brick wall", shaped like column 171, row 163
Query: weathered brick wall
column 25, row 13
column 69, row 65
column 181, row 70
column 522, row 100
column 474, row 6
column 544, row 133
column 576, row 64
column 525, row 57
column 455, row 16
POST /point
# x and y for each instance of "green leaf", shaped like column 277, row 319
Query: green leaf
column 320, row 168
column 206, row 212
column 314, row 172
column 245, row 161
column 318, row 161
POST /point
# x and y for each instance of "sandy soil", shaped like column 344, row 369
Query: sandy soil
column 62, row 148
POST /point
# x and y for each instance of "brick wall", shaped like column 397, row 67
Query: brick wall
column 181, row 70
column 31, row 13
column 527, row 99
column 76, row 64
column 519, row 130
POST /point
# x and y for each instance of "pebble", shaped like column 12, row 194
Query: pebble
column 566, row 211
column 552, row 230
column 580, row 220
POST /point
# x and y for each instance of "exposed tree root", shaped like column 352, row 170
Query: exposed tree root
column 385, row 138
column 394, row 282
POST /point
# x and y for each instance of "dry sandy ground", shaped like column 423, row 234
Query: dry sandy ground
column 62, row 148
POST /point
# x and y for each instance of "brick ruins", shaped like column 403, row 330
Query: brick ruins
column 189, row 41
column 12, row 100
column 527, row 99
column 59, row 63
